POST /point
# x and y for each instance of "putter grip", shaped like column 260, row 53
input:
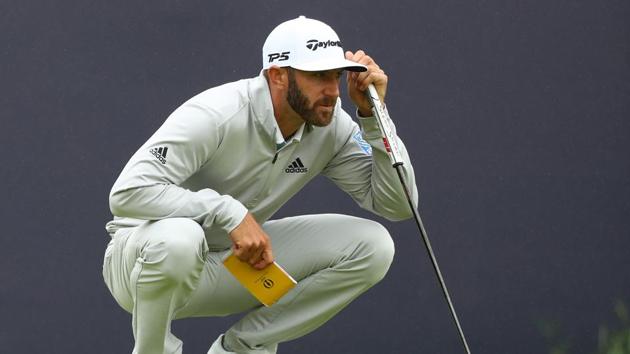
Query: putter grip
column 385, row 125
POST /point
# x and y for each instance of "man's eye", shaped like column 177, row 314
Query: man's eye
column 325, row 74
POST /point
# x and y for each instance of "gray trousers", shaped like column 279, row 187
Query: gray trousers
column 162, row 270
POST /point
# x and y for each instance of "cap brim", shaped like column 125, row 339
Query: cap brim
column 323, row 65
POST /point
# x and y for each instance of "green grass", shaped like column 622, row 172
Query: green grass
column 610, row 340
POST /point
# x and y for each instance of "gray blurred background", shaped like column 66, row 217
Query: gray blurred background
column 516, row 115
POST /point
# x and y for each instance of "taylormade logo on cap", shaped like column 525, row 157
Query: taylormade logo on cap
column 306, row 44
column 313, row 44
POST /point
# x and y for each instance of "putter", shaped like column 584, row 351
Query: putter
column 391, row 146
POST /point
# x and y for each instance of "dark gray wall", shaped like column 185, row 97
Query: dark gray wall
column 515, row 114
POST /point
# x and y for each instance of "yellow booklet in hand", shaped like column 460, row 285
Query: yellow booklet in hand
column 267, row 285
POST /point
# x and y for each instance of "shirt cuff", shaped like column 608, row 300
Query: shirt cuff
column 237, row 213
column 369, row 127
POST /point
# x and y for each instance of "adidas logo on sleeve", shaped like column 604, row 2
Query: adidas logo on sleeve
column 160, row 154
column 296, row 167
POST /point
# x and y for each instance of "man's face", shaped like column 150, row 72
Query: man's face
column 313, row 94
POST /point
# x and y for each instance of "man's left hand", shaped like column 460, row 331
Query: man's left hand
column 358, row 82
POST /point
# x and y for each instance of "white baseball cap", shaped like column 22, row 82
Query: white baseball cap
column 306, row 44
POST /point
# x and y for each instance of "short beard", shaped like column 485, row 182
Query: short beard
column 303, row 107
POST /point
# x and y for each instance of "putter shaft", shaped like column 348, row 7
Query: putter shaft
column 391, row 145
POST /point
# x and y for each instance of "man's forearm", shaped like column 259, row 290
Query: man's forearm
column 162, row 201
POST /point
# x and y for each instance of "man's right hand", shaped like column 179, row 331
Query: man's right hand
column 251, row 244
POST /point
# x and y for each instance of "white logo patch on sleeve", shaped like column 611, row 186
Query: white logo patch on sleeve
column 358, row 138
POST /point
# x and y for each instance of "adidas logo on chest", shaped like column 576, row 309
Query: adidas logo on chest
column 296, row 167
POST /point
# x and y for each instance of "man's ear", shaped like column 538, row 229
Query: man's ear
column 278, row 77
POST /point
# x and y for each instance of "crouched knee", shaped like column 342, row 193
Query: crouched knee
column 378, row 248
column 176, row 248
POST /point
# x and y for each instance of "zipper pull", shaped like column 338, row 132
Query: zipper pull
column 275, row 157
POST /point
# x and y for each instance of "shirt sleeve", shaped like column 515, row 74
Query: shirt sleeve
column 362, row 168
column 148, row 187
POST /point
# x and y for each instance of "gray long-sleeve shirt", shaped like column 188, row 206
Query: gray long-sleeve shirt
column 217, row 157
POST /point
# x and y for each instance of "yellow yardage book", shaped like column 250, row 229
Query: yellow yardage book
column 267, row 285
